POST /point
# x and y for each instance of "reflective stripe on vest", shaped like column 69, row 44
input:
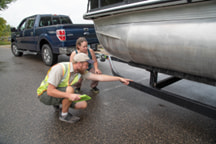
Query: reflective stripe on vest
column 65, row 78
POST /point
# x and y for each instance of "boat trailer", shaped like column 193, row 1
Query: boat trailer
column 155, row 86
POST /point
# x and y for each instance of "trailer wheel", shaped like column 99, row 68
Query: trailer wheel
column 47, row 55
column 15, row 50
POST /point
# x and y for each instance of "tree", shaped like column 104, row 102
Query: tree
column 4, row 3
column 2, row 26
column 4, row 29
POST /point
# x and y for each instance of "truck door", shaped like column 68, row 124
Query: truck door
column 29, row 32
column 25, row 34
column 20, row 33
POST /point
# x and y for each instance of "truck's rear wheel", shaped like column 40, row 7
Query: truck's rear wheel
column 47, row 55
column 15, row 50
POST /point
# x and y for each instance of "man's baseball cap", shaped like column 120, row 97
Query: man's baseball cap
column 81, row 57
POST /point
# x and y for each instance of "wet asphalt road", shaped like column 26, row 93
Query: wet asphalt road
column 117, row 115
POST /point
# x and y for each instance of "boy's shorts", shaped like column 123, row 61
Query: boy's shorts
column 49, row 100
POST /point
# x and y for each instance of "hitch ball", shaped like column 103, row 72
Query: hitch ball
column 103, row 58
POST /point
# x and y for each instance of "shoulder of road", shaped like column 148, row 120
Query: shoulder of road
column 5, row 46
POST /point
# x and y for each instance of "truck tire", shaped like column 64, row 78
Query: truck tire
column 15, row 50
column 47, row 55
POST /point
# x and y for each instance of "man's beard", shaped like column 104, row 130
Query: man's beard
column 81, row 71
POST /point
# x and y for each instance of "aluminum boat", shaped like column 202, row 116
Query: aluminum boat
column 172, row 35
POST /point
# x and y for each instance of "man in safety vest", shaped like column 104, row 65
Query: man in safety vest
column 57, row 88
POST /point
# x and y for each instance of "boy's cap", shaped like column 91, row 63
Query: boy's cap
column 81, row 57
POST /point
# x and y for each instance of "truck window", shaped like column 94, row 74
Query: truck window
column 65, row 20
column 30, row 23
column 55, row 20
column 61, row 20
column 45, row 21
column 22, row 25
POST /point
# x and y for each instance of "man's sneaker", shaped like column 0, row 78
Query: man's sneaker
column 77, row 90
column 69, row 118
column 95, row 90
column 56, row 108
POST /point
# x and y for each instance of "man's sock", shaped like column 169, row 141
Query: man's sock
column 64, row 114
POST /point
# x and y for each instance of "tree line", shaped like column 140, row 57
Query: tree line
column 4, row 28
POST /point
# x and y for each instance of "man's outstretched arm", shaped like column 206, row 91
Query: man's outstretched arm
column 103, row 77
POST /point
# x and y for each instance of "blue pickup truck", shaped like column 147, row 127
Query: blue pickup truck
column 50, row 36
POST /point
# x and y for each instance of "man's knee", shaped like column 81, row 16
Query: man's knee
column 69, row 89
column 81, row 105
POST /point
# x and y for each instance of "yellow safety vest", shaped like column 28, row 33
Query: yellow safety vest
column 65, row 81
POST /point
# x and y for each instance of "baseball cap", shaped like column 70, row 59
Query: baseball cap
column 81, row 57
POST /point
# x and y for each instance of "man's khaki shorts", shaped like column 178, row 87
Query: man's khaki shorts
column 49, row 100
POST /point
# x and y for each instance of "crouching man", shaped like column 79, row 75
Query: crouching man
column 57, row 88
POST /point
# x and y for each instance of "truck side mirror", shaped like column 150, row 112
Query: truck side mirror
column 13, row 29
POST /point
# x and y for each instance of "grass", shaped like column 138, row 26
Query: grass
column 5, row 42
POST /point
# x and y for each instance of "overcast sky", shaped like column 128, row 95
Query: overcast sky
column 23, row 8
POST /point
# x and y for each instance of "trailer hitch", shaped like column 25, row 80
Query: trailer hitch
column 154, row 89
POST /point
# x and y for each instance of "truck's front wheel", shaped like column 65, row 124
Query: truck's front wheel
column 15, row 50
column 48, row 57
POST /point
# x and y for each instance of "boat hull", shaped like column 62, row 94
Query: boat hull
column 181, row 38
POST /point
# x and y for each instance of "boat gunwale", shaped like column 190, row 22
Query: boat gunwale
column 135, row 6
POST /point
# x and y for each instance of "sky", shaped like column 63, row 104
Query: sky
column 20, row 9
